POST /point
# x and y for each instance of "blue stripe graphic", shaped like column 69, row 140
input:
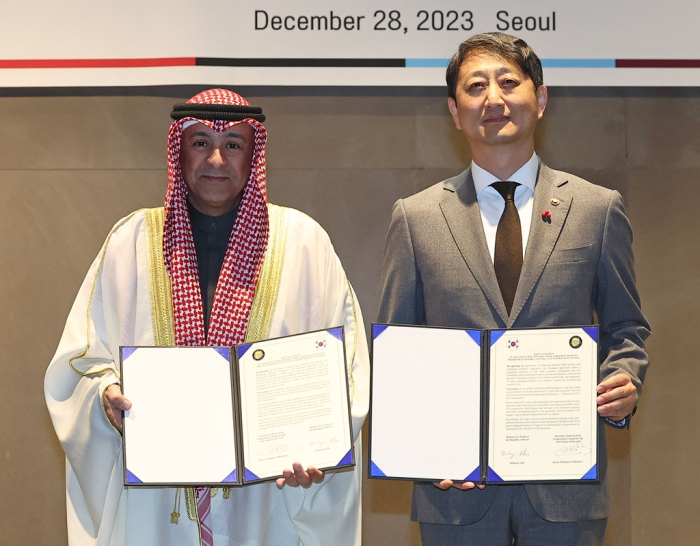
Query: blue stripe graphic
column 578, row 63
column 546, row 63
column 427, row 63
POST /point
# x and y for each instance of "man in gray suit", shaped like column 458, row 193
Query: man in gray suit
column 511, row 243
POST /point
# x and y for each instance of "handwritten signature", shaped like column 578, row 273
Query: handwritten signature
column 279, row 448
column 512, row 454
column 320, row 444
column 573, row 449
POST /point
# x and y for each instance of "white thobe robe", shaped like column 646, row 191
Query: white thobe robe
column 113, row 308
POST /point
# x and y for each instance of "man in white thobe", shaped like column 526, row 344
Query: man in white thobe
column 167, row 277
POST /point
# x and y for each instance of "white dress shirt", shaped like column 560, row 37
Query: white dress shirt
column 492, row 205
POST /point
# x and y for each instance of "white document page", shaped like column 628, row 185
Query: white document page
column 180, row 428
column 425, row 403
column 543, row 413
column 294, row 404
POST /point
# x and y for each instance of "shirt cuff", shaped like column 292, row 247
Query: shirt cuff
column 616, row 424
column 623, row 423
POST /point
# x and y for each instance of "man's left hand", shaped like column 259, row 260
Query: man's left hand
column 617, row 395
column 298, row 476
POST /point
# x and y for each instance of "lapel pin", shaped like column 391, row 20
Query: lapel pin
column 555, row 201
column 547, row 217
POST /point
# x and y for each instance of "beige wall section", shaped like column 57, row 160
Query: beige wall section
column 71, row 166
column 664, row 170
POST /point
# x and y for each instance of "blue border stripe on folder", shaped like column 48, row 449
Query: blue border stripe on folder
column 249, row 476
column 374, row 470
column 127, row 352
column 475, row 335
column 231, row 478
column 493, row 477
column 131, row 478
column 347, row 459
column 496, row 335
column 243, row 349
column 593, row 332
column 475, row 476
column 223, row 351
column 336, row 333
column 377, row 330
column 592, row 474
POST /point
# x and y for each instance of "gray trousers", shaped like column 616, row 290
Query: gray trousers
column 511, row 521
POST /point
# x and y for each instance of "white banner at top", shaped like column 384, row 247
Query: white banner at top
column 338, row 42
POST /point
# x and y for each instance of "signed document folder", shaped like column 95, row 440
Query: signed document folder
column 488, row 406
column 228, row 416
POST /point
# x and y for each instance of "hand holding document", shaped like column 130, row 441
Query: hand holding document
column 462, row 486
column 297, row 476
column 618, row 396
column 520, row 407
column 115, row 403
column 247, row 412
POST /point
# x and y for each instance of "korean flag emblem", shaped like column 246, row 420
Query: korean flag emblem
column 321, row 344
column 513, row 344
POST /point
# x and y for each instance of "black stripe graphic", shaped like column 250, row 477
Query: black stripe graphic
column 365, row 63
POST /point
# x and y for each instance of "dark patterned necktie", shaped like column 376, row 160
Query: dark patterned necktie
column 508, row 256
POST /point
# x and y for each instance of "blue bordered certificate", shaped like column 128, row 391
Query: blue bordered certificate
column 180, row 428
column 242, row 414
column 542, row 419
column 489, row 406
column 294, row 404
column 426, row 403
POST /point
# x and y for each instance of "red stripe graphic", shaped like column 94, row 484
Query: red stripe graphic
column 657, row 63
column 97, row 63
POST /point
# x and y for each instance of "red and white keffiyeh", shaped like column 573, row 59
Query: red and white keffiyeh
column 246, row 247
column 244, row 256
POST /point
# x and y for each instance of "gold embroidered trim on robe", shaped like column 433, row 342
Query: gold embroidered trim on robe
column 158, row 280
column 268, row 286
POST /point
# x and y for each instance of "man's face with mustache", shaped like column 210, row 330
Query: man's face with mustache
column 216, row 166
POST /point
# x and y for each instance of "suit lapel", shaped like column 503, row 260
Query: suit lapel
column 543, row 235
column 461, row 211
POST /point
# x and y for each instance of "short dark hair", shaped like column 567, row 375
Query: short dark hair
column 503, row 46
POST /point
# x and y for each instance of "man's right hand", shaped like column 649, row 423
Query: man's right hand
column 115, row 402
column 446, row 484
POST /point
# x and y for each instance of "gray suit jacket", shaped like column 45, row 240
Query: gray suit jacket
column 438, row 271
